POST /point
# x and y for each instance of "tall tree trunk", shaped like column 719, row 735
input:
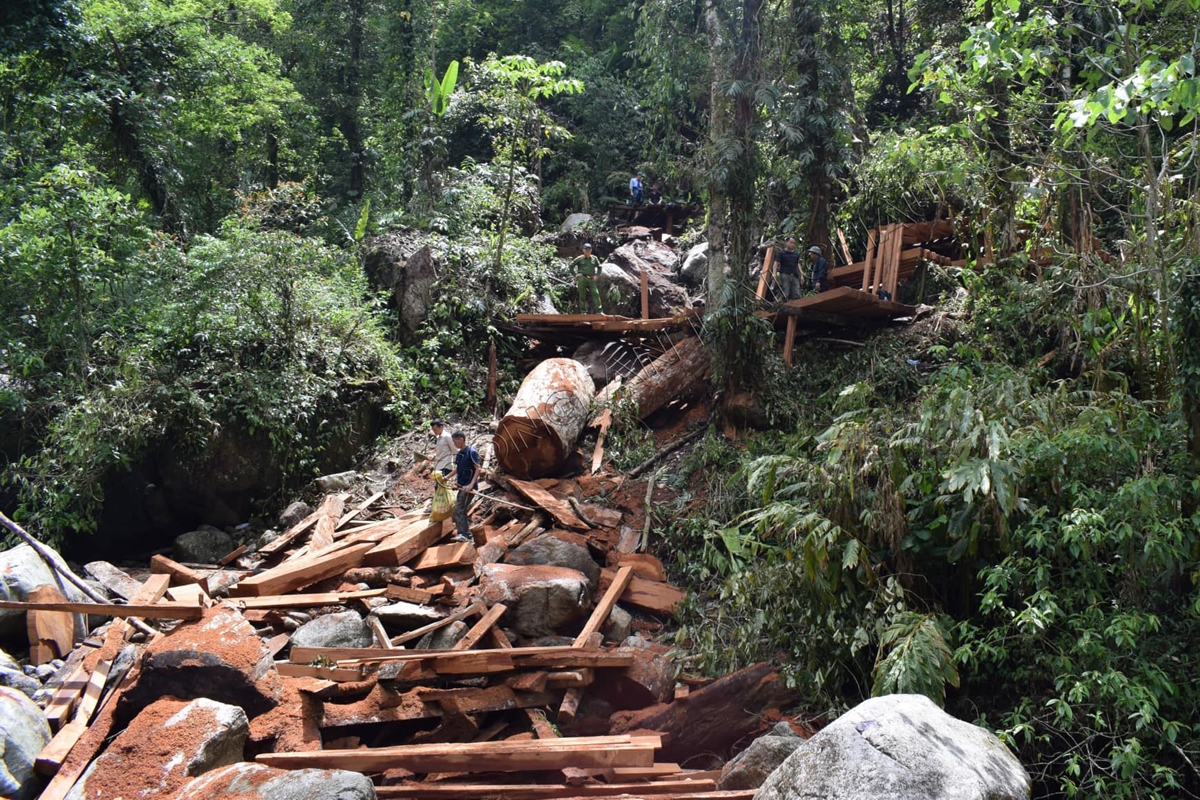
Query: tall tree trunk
column 718, row 131
column 350, row 122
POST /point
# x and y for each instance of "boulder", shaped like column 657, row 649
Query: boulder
column 443, row 638
column 749, row 768
column 400, row 263
column 246, row 781
column 618, row 625
column 902, row 747
column 403, row 616
column 540, row 599
column 206, row 545
column 621, row 292
column 21, row 571
column 694, row 270
column 8, row 662
column 294, row 513
column 575, row 221
column 337, row 482
column 647, row 254
column 18, row 680
column 23, row 734
column 557, row 549
column 218, row 656
column 167, row 744
column 343, row 629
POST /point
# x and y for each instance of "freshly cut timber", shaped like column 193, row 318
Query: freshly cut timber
column 539, row 431
column 676, row 373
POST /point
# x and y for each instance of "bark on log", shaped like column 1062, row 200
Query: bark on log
column 712, row 719
column 676, row 373
column 539, row 431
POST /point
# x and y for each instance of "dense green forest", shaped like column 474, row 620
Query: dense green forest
column 999, row 510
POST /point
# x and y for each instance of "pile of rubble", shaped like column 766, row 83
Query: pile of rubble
column 358, row 654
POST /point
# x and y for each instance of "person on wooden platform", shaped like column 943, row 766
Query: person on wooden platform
column 468, row 466
column 587, row 267
column 636, row 189
column 654, row 196
column 789, row 271
column 443, row 448
column 820, row 269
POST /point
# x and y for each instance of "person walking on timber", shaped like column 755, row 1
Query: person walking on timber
column 443, row 448
column 468, row 466
column 820, row 269
column 587, row 267
column 789, row 271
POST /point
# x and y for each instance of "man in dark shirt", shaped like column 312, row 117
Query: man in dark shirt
column 820, row 269
column 789, row 271
column 655, row 195
column 467, row 465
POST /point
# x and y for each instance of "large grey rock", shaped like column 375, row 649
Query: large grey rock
column 606, row 361
column 337, row 482
column 405, row 616
column 18, row 680
column 645, row 254
column 552, row 550
column 902, row 747
column 168, row 743
column 575, row 221
column 294, row 513
column 247, row 781
column 540, row 599
column 8, row 662
column 403, row 264
column 21, row 571
column 23, row 734
column 749, row 768
column 621, row 291
column 205, row 545
column 695, row 265
column 443, row 638
column 343, row 629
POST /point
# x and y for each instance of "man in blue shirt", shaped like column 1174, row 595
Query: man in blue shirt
column 635, row 189
column 468, row 465
column 789, row 271
column 820, row 269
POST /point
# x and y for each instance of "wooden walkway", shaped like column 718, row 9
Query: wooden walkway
column 842, row 307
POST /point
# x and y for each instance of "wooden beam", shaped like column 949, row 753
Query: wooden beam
column 407, row 544
column 338, row 674
column 789, row 340
column 537, row 791
column 868, row 261
column 570, row 707
column 558, row 509
column 360, row 508
column 645, row 280
column 291, row 534
column 481, row 628
column 605, row 606
column 502, row 756
column 156, row 611
column 330, row 514
column 180, row 574
column 445, row 556
column 845, row 247
column 303, row 600
column 57, row 749
column 764, row 276
column 233, row 556
column 51, row 633
column 65, row 697
column 293, row 575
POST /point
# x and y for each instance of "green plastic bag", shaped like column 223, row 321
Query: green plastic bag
column 443, row 499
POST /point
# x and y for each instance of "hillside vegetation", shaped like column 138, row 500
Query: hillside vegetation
column 996, row 506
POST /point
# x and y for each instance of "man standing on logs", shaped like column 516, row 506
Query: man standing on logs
column 468, row 465
column 820, row 269
column 587, row 267
column 789, row 271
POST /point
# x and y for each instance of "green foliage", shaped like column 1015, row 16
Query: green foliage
column 438, row 92
column 914, row 658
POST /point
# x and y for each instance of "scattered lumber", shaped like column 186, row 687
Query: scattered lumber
column 292, row 575
column 541, row 427
column 328, row 516
column 302, row 600
column 537, row 791
column 180, row 575
column 560, row 510
column 407, row 543
column 446, row 556
column 115, row 580
column 661, row 598
column 65, row 698
column 600, row 614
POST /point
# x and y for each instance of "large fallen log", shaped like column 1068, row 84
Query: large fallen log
column 678, row 372
column 539, row 431
column 712, row 719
